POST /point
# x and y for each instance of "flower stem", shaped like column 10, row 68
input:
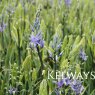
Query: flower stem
column 2, row 35
column 55, row 64
column 2, row 41
column 19, row 50
column 39, row 54
column 9, row 28
column 24, row 15
column 40, row 77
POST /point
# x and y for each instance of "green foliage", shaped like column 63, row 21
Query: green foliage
column 43, row 88
column 72, row 27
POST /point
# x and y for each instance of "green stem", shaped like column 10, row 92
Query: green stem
column 9, row 28
column 19, row 49
column 24, row 15
column 55, row 64
column 39, row 54
column 2, row 41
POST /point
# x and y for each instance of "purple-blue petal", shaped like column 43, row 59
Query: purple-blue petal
column 60, row 83
column 37, row 40
column 82, row 55
column 68, row 2
column 77, row 87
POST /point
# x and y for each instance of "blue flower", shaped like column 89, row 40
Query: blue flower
column 60, row 83
column 67, row 81
column 56, row 43
column 82, row 55
column 12, row 90
column 77, row 87
column 68, row 2
column 37, row 23
column 2, row 27
column 37, row 40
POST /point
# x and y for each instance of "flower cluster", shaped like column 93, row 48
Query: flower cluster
column 75, row 85
column 12, row 90
column 56, row 46
column 36, row 25
column 60, row 83
column 82, row 55
column 2, row 27
column 66, row 81
column 68, row 2
column 37, row 40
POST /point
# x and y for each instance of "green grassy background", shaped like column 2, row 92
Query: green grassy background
column 19, row 64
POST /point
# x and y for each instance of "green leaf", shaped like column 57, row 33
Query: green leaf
column 43, row 88
column 65, row 41
column 75, row 50
column 14, row 34
column 64, row 64
column 77, row 40
column 34, row 74
column 26, row 65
